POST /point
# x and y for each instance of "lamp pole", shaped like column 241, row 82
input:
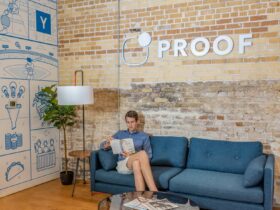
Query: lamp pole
column 83, row 113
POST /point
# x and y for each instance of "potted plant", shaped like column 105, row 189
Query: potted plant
column 61, row 117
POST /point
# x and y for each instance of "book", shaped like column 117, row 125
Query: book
column 163, row 204
column 141, row 203
column 122, row 145
column 135, row 204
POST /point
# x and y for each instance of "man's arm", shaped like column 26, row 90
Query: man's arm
column 147, row 147
column 116, row 135
column 106, row 145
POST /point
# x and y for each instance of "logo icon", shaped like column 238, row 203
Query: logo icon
column 43, row 22
column 144, row 40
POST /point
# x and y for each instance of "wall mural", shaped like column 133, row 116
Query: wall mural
column 29, row 148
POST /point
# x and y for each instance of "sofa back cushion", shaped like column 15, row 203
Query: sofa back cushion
column 222, row 156
column 169, row 151
column 107, row 159
column 254, row 172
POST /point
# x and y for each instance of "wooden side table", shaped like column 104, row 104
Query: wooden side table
column 80, row 155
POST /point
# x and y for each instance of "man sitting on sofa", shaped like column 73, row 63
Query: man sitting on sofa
column 139, row 162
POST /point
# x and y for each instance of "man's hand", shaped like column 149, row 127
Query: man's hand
column 108, row 142
column 126, row 154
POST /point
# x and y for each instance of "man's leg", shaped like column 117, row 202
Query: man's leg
column 145, row 168
column 138, row 177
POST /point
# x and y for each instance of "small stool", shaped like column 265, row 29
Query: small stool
column 79, row 154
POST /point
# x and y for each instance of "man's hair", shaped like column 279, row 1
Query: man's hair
column 132, row 114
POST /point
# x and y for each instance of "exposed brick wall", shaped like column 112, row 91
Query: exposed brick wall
column 84, row 30
column 88, row 39
column 234, row 97
column 247, row 110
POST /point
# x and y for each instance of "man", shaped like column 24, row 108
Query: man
column 139, row 162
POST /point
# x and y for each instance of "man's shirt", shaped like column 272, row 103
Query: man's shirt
column 141, row 141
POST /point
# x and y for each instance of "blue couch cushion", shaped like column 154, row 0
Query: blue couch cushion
column 169, row 151
column 113, row 177
column 221, row 204
column 213, row 184
column 107, row 159
column 254, row 172
column 223, row 156
column 162, row 175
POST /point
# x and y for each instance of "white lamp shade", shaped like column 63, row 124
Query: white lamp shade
column 75, row 95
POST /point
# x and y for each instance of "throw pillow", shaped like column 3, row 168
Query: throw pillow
column 107, row 159
column 254, row 172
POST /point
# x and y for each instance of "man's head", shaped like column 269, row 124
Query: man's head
column 131, row 119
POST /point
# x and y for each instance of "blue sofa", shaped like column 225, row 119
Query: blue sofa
column 210, row 172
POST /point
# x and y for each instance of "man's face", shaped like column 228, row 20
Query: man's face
column 131, row 123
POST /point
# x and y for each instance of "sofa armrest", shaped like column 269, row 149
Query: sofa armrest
column 94, row 165
column 269, row 182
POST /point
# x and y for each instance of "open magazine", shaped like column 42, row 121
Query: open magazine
column 141, row 203
column 120, row 145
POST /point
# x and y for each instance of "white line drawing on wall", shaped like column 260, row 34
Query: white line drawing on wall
column 30, row 61
column 47, row 1
column 12, row 9
column 13, row 108
column 13, row 111
column 41, row 102
column 45, row 154
column 13, row 141
column 14, row 17
column 28, row 58
column 29, row 68
column 13, row 170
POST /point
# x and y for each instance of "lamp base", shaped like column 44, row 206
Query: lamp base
column 66, row 178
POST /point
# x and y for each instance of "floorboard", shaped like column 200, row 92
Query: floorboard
column 53, row 196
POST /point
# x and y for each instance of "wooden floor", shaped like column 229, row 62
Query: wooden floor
column 54, row 196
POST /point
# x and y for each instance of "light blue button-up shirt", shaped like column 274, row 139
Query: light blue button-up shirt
column 141, row 141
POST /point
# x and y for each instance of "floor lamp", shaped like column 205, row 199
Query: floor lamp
column 77, row 95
